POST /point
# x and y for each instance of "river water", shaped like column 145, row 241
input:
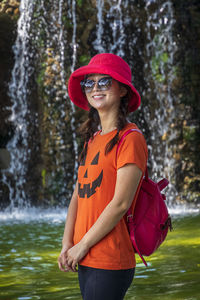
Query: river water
column 30, row 244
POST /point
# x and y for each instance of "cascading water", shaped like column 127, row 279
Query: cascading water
column 41, row 39
column 16, row 176
column 52, row 40
column 114, row 19
column 74, row 54
column 160, row 74
column 158, row 68
column 55, row 91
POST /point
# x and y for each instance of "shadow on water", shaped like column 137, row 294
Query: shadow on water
column 29, row 251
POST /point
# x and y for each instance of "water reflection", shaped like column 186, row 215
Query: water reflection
column 28, row 270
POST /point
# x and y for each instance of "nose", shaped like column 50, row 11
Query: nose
column 96, row 86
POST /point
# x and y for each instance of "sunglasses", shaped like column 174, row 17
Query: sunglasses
column 103, row 84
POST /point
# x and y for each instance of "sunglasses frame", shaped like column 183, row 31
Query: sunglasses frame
column 103, row 87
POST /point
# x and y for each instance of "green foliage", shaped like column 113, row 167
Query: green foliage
column 156, row 62
column 189, row 133
column 67, row 22
column 79, row 2
column 84, row 59
column 40, row 77
column 43, row 173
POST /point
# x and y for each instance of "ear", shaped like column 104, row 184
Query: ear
column 123, row 91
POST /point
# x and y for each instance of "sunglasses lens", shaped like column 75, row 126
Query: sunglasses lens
column 87, row 85
column 104, row 83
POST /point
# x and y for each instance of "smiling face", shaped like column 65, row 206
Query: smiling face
column 108, row 99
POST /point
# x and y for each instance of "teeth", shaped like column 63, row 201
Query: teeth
column 97, row 96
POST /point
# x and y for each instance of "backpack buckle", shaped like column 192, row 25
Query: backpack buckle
column 129, row 216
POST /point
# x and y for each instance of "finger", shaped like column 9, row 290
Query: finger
column 68, row 264
column 60, row 266
column 67, row 268
column 74, row 266
column 64, row 268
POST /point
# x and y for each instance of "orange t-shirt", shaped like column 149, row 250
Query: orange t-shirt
column 96, row 180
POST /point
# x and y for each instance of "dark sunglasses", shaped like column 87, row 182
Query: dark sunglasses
column 103, row 84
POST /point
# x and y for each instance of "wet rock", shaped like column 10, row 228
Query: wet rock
column 4, row 158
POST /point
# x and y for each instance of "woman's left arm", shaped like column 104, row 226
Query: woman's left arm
column 128, row 179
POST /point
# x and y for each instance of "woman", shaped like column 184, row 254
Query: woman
column 96, row 236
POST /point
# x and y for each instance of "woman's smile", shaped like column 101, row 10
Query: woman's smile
column 98, row 96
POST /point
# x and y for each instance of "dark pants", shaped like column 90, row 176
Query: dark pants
column 99, row 284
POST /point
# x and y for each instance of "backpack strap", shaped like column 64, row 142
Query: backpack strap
column 125, row 134
column 135, row 246
column 129, row 214
column 121, row 140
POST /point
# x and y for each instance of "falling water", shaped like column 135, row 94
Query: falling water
column 47, row 48
column 158, row 68
column 160, row 74
column 114, row 19
column 19, row 91
column 41, row 36
column 99, row 28
column 74, row 54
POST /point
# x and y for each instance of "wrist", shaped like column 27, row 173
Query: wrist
column 67, row 244
column 86, row 243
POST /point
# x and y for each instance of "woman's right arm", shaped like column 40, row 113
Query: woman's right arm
column 67, row 241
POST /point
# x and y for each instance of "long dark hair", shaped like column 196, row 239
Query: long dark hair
column 91, row 125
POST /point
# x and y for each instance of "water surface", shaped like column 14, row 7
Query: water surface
column 30, row 245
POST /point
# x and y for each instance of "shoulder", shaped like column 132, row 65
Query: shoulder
column 131, row 137
column 129, row 126
column 132, row 132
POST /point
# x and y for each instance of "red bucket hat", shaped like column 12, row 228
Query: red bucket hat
column 105, row 63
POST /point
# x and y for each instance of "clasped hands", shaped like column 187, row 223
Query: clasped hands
column 71, row 255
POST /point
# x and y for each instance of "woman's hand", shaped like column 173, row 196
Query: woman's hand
column 75, row 254
column 62, row 259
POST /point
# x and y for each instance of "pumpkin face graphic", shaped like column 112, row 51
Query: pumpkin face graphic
column 89, row 189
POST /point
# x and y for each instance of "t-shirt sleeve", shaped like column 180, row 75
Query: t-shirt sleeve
column 133, row 150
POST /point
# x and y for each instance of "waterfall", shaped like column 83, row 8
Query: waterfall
column 99, row 28
column 19, row 92
column 74, row 54
column 55, row 37
column 160, row 73
column 40, row 51
column 159, row 70
column 113, row 18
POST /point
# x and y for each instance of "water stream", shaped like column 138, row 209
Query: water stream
column 41, row 34
column 19, row 91
column 161, row 47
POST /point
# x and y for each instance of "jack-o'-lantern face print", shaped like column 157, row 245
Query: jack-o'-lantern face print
column 89, row 189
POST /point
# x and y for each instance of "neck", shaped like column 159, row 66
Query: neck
column 108, row 122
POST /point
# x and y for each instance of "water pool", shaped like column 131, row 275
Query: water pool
column 29, row 248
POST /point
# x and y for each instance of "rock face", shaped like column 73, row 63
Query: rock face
column 187, row 90
column 161, row 43
column 7, row 38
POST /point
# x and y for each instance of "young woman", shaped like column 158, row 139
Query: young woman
column 96, row 236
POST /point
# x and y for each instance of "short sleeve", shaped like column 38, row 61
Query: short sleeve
column 133, row 150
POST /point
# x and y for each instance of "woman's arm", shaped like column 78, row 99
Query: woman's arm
column 67, row 241
column 128, row 178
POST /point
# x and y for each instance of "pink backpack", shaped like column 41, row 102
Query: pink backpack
column 149, row 225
